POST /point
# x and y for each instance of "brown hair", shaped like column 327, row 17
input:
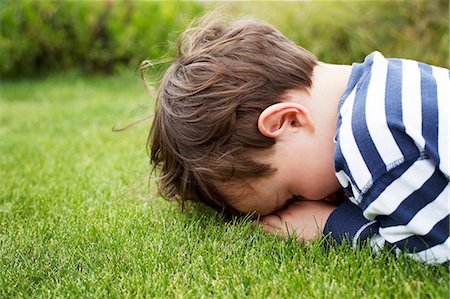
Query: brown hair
column 205, row 125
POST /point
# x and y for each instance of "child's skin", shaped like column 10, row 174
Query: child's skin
column 303, row 126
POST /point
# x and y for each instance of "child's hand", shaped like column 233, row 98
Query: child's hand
column 304, row 219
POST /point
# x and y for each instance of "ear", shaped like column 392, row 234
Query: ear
column 282, row 117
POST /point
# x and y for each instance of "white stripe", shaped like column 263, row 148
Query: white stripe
column 349, row 148
column 356, row 195
column 360, row 230
column 342, row 178
column 422, row 223
column 394, row 194
column 436, row 254
column 411, row 102
column 377, row 243
column 443, row 95
column 347, row 104
column 376, row 113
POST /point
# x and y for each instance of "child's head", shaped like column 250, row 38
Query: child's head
column 204, row 138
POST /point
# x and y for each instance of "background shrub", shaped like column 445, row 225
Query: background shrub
column 104, row 36
column 346, row 31
column 94, row 36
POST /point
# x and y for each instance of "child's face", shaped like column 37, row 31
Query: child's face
column 303, row 155
column 304, row 170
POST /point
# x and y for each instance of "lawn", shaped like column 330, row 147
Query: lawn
column 79, row 219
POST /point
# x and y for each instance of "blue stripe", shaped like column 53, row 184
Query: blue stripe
column 430, row 120
column 438, row 234
column 416, row 201
column 383, row 182
column 369, row 231
column 339, row 161
column 394, row 112
column 355, row 76
column 342, row 230
column 361, row 133
column 341, row 164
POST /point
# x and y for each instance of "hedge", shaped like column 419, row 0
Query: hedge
column 94, row 36
column 105, row 36
column 346, row 31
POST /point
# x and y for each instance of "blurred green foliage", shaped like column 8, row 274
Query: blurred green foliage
column 104, row 36
column 94, row 36
column 347, row 31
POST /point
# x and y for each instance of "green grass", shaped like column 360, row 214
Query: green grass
column 77, row 218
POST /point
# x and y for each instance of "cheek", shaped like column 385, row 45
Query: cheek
column 258, row 206
column 327, row 185
column 315, row 186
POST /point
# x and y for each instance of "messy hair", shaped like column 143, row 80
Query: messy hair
column 204, row 131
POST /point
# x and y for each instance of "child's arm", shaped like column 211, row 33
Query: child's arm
column 305, row 219
column 410, row 215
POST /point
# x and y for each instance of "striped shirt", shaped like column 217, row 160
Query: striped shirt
column 392, row 158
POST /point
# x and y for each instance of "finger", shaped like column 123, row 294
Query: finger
column 275, row 224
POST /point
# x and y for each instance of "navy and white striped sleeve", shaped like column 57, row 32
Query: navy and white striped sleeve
column 392, row 156
column 410, row 204
column 347, row 225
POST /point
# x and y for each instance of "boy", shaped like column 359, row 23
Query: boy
column 248, row 122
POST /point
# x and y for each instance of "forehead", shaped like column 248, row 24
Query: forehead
column 252, row 195
column 236, row 190
column 255, row 194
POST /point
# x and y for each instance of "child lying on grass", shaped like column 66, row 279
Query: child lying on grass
column 246, row 121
